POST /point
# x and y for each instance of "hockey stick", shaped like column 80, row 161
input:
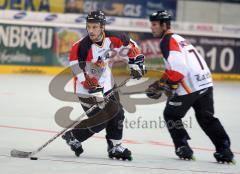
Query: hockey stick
column 134, row 92
column 148, row 92
column 24, row 154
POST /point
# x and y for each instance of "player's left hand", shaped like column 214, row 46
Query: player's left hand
column 163, row 87
column 97, row 93
column 137, row 67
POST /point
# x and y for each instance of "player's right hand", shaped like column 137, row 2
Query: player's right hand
column 164, row 87
column 153, row 93
column 90, row 82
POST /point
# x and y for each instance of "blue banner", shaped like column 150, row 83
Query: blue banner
column 123, row 8
column 154, row 5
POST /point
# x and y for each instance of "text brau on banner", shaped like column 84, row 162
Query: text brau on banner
column 18, row 36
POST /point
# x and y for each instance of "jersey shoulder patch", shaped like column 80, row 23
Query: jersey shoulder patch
column 168, row 44
column 118, row 38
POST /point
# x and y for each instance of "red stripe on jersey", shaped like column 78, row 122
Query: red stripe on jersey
column 185, row 87
column 133, row 51
column 115, row 42
column 74, row 52
column 75, row 84
column 173, row 76
column 173, row 45
column 89, row 55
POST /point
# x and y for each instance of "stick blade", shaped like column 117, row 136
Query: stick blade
column 20, row 154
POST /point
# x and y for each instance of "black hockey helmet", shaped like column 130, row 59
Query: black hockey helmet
column 162, row 16
column 96, row 16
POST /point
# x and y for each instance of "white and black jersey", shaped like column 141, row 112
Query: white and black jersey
column 184, row 64
column 96, row 56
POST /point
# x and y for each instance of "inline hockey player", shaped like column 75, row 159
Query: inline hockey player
column 92, row 56
column 188, row 83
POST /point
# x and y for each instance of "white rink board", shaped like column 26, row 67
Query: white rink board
column 27, row 121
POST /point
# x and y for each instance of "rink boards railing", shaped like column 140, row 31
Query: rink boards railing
column 43, row 70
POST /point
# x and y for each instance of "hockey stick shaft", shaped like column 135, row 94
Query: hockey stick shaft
column 134, row 92
column 77, row 121
column 23, row 154
column 73, row 124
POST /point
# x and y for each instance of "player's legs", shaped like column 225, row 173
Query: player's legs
column 204, row 111
column 114, row 128
column 176, row 108
column 76, row 136
column 98, row 119
column 114, row 131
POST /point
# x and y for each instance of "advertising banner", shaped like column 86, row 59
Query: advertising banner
column 122, row 8
column 53, row 6
column 221, row 54
column 26, row 45
column 150, row 48
column 153, row 6
column 64, row 38
column 119, row 23
column 132, row 8
column 50, row 46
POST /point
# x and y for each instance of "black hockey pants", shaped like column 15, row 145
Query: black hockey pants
column 202, row 103
column 114, row 126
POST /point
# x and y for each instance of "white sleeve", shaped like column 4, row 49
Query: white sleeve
column 177, row 62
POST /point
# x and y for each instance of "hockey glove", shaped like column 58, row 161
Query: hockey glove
column 161, row 86
column 90, row 82
column 137, row 67
column 98, row 96
column 94, row 89
column 153, row 93
column 97, row 93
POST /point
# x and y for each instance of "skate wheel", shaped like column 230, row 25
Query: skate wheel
column 233, row 162
column 188, row 159
column 193, row 158
column 130, row 158
column 77, row 154
column 112, row 157
column 220, row 161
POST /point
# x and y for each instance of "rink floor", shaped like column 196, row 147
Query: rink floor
column 27, row 121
